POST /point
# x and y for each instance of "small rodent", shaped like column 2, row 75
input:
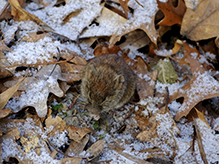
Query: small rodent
column 107, row 83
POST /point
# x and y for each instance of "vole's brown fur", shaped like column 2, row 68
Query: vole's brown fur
column 107, row 83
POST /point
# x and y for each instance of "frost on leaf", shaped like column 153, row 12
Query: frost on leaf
column 161, row 132
column 37, row 89
column 202, row 85
column 136, row 22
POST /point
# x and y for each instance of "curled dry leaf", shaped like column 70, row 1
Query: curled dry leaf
column 21, row 14
column 199, row 140
column 71, row 71
column 77, row 134
column 124, row 5
column 207, row 142
column 74, row 160
column 173, row 15
column 136, row 39
column 4, row 72
column 161, row 124
column 5, row 112
column 55, row 125
column 95, row 149
column 120, row 151
column 200, row 24
column 135, row 22
column 145, row 79
column 37, row 89
column 101, row 50
column 109, row 22
column 77, row 147
column 6, row 95
column 202, row 85
column 29, row 143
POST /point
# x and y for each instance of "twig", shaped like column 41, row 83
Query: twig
column 28, row 65
column 73, row 102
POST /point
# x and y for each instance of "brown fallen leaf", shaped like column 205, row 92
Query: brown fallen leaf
column 162, row 129
column 95, row 149
column 145, row 79
column 21, row 14
column 135, row 22
column 55, row 125
column 202, row 85
column 6, row 95
column 77, row 134
column 201, row 116
column 4, row 72
column 34, row 37
column 75, row 147
column 38, row 87
column 29, row 143
column 74, row 160
column 137, row 39
column 5, row 112
column 200, row 24
column 13, row 134
column 172, row 15
column 124, row 5
column 71, row 71
column 101, row 50
column 119, row 150
column 207, row 142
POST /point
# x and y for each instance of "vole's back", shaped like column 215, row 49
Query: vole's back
column 107, row 83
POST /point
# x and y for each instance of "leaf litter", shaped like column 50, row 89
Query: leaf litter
column 52, row 41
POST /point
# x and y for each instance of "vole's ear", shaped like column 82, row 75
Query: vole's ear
column 118, row 81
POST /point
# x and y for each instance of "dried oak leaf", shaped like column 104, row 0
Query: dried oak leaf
column 207, row 142
column 104, row 49
column 145, row 79
column 21, row 14
column 55, row 125
column 75, row 160
column 161, row 124
column 173, row 15
column 29, row 143
column 95, row 149
column 202, row 85
column 6, row 95
column 75, row 147
column 4, row 72
column 37, row 89
column 77, row 134
column 121, row 152
column 201, row 23
column 137, row 39
column 124, row 5
column 71, row 71
column 141, row 19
